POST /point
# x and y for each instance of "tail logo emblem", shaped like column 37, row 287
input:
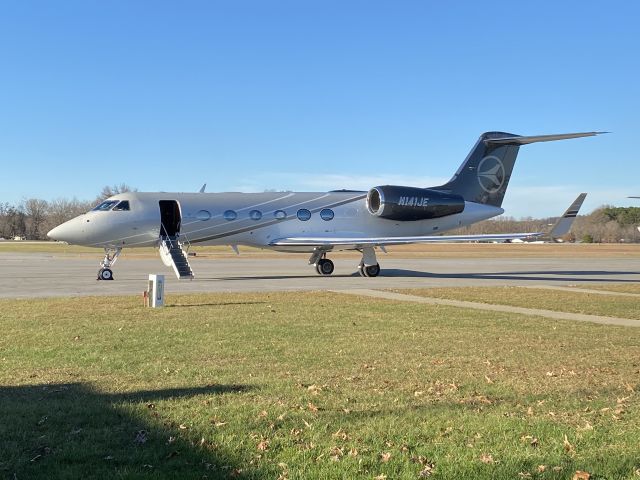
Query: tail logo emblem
column 491, row 174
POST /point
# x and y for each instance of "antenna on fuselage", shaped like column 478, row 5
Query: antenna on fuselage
column 202, row 188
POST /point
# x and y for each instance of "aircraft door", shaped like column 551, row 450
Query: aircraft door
column 170, row 218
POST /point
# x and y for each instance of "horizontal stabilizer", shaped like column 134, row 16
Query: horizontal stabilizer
column 520, row 140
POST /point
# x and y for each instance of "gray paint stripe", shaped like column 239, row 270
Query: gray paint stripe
column 624, row 322
column 273, row 222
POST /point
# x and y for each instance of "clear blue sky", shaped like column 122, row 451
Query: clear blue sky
column 316, row 95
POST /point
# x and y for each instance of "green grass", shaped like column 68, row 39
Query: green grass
column 310, row 385
column 614, row 287
column 558, row 300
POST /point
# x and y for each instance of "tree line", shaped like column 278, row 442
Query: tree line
column 604, row 225
column 32, row 218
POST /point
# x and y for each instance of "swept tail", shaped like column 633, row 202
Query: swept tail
column 484, row 175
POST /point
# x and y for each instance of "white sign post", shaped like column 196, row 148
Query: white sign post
column 156, row 291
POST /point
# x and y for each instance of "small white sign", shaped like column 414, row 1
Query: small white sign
column 156, row 292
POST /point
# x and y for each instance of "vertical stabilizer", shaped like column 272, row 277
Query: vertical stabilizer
column 484, row 175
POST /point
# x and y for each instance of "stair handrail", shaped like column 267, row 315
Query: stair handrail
column 165, row 237
column 170, row 239
column 186, row 243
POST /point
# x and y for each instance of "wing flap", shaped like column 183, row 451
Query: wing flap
column 356, row 242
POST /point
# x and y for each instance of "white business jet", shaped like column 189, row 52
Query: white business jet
column 316, row 223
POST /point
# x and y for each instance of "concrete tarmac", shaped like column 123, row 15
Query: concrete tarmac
column 28, row 275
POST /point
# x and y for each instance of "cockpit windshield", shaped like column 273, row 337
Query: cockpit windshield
column 122, row 206
column 114, row 205
column 104, row 206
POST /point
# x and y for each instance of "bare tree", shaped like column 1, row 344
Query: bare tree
column 35, row 210
column 61, row 209
column 14, row 222
column 110, row 191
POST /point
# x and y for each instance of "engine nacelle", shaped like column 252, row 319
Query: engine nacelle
column 411, row 203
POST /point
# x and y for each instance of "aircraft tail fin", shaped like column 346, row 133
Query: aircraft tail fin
column 563, row 225
column 484, row 175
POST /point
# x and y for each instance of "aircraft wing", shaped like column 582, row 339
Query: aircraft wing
column 355, row 242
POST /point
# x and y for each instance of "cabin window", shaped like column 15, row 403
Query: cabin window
column 280, row 214
column 203, row 215
column 230, row 215
column 326, row 214
column 123, row 206
column 255, row 214
column 104, row 206
column 304, row 214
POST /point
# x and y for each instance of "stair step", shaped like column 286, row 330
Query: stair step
column 178, row 257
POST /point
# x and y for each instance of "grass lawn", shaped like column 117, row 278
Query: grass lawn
column 614, row 287
column 311, row 385
column 546, row 299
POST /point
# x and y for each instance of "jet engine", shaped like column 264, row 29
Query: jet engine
column 412, row 203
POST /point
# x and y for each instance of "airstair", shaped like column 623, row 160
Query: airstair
column 174, row 255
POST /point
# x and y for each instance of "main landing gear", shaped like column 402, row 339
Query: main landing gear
column 368, row 267
column 369, row 271
column 323, row 265
column 110, row 257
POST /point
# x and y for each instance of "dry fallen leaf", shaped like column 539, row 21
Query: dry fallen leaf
column 263, row 445
column 486, row 458
column 580, row 475
column 341, row 434
column 567, row 446
column 427, row 470
column 385, row 457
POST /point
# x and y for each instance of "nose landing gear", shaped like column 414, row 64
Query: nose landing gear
column 110, row 257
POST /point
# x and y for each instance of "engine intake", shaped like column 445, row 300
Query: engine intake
column 411, row 203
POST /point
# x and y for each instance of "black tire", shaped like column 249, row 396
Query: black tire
column 325, row 267
column 105, row 274
column 361, row 270
column 371, row 270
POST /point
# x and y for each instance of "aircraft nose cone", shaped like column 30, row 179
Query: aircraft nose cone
column 53, row 233
column 69, row 232
column 60, row 233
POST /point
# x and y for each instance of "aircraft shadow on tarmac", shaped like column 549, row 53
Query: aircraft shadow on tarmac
column 71, row 426
column 533, row 276
column 546, row 276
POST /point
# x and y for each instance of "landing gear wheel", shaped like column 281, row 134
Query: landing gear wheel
column 324, row 266
column 105, row 274
column 370, row 271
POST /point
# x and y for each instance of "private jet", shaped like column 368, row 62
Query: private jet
column 315, row 223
